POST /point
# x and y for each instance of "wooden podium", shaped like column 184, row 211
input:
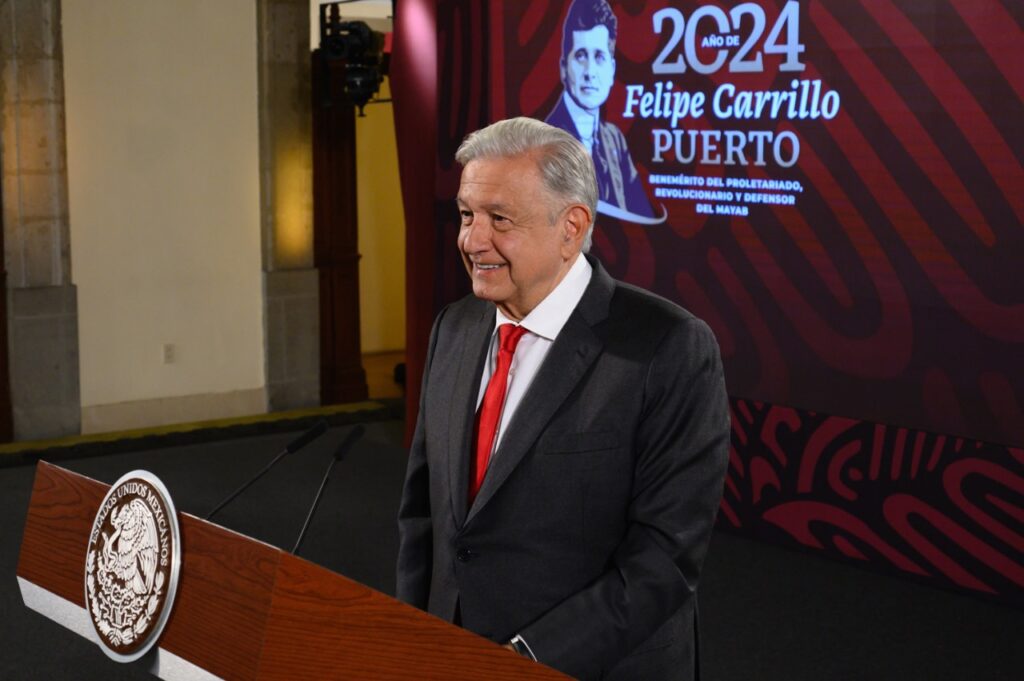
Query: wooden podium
column 247, row 610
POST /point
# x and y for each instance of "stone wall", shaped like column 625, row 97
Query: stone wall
column 43, row 317
column 291, row 284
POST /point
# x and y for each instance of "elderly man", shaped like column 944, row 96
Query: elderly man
column 587, row 70
column 573, row 432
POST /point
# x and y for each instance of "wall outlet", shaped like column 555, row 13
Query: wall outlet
column 169, row 353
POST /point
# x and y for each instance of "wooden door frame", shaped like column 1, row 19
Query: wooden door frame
column 6, row 408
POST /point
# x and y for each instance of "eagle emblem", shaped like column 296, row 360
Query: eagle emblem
column 131, row 565
column 131, row 552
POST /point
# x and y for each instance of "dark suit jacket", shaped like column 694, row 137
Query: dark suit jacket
column 618, row 181
column 588, row 534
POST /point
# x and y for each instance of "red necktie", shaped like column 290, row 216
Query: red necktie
column 490, row 408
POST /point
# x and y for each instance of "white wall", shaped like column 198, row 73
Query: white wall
column 161, row 102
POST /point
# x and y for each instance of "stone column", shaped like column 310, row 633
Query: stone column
column 286, row 201
column 42, row 304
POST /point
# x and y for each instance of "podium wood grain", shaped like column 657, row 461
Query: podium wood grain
column 247, row 610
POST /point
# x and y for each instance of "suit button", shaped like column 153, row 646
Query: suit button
column 464, row 555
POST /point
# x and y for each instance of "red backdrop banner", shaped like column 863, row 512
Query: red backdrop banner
column 837, row 188
column 842, row 188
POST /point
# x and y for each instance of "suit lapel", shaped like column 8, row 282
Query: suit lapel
column 568, row 360
column 472, row 355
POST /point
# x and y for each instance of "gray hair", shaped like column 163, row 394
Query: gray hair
column 566, row 168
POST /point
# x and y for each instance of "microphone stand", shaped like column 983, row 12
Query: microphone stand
column 339, row 453
column 318, row 429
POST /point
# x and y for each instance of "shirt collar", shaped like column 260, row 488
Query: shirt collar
column 577, row 113
column 547, row 319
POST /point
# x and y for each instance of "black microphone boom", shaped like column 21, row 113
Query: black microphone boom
column 339, row 454
column 318, row 429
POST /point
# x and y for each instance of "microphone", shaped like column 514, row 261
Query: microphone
column 339, row 454
column 318, row 429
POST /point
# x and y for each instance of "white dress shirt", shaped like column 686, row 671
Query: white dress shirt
column 543, row 325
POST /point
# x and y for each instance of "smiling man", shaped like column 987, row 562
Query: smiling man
column 572, row 437
column 587, row 70
column 512, row 260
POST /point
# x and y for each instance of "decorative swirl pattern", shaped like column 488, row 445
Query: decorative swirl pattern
column 945, row 510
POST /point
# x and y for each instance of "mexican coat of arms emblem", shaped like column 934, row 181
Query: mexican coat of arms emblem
column 131, row 565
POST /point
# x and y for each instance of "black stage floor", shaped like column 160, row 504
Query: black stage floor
column 767, row 613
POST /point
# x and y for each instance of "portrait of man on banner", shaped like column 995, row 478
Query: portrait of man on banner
column 587, row 71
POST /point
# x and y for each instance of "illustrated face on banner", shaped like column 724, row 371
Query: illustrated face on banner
column 588, row 71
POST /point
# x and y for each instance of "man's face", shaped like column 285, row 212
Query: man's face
column 589, row 69
column 513, row 252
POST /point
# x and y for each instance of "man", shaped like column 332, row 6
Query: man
column 587, row 69
column 561, row 490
